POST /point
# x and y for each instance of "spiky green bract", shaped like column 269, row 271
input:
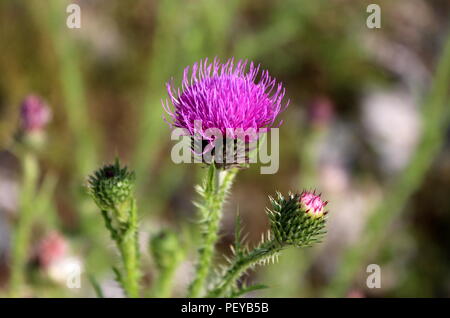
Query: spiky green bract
column 112, row 188
column 167, row 252
column 291, row 224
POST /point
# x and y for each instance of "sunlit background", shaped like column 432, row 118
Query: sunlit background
column 367, row 126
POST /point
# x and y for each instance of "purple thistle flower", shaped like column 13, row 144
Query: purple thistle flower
column 34, row 114
column 226, row 97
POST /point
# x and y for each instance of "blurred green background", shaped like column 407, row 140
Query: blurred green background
column 367, row 126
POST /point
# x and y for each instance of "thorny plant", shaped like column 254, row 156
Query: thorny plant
column 225, row 97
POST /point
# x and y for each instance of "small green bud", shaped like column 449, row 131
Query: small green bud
column 112, row 188
column 166, row 249
column 292, row 219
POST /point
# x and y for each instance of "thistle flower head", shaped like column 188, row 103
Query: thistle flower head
column 112, row 188
column 34, row 114
column 225, row 96
column 166, row 249
column 292, row 223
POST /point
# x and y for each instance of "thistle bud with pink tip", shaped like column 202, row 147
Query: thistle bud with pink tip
column 298, row 219
column 312, row 204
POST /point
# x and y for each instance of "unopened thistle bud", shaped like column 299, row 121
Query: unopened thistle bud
column 298, row 219
column 166, row 249
column 112, row 188
column 34, row 114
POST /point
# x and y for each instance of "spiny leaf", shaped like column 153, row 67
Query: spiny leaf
column 238, row 242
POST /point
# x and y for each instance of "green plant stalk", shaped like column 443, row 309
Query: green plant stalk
column 22, row 232
column 163, row 285
column 97, row 288
column 130, row 281
column 436, row 117
column 216, row 186
column 129, row 250
column 243, row 263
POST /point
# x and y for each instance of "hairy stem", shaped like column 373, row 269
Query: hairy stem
column 215, row 189
column 129, row 250
column 22, row 233
column 242, row 263
column 164, row 282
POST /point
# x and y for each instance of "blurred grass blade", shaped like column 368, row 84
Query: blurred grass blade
column 97, row 288
column 435, row 120
column 52, row 16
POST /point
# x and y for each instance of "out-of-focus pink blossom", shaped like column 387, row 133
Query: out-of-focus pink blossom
column 51, row 249
column 356, row 294
column 34, row 114
column 320, row 111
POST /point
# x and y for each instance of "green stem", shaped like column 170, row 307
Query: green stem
column 436, row 117
column 241, row 264
column 22, row 232
column 216, row 187
column 129, row 250
column 164, row 282
column 129, row 254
